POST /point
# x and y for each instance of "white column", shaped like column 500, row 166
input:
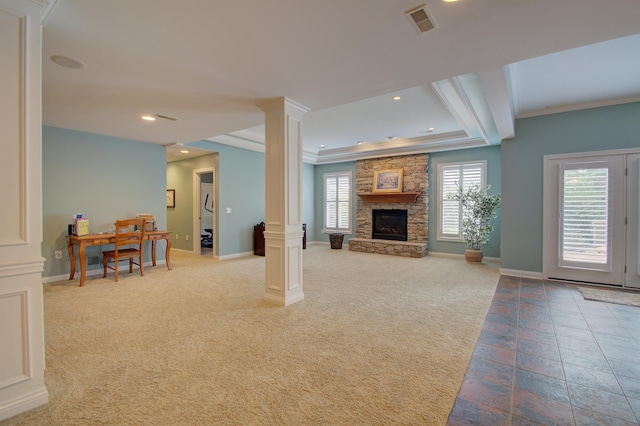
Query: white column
column 283, row 201
column 21, row 302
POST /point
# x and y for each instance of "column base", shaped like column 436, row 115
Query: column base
column 282, row 301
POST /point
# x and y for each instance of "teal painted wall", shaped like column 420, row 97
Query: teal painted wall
column 102, row 177
column 318, row 184
column 493, row 158
column 596, row 129
column 308, row 200
column 240, row 186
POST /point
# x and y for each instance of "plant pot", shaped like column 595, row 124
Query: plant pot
column 336, row 240
column 473, row 256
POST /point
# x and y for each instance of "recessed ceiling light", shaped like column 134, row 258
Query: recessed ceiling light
column 359, row 142
column 321, row 146
column 430, row 129
column 390, row 137
column 449, row 1
column 148, row 118
column 184, row 151
column 396, row 98
column 67, row 62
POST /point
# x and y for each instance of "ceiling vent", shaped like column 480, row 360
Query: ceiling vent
column 421, row 19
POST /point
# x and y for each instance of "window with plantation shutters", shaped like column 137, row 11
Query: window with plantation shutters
column 450, row 178
column 337, row 202
column 585, row 215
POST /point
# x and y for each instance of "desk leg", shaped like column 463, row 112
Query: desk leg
column 83, row 264
column 153, row 252
column 167, row 252
column 72, row 261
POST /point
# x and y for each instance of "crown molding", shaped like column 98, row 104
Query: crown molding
column 434, row 143
column 47, row 7
column 580, row 106
column 254, row 145
column 238, row 142
column 444, row 142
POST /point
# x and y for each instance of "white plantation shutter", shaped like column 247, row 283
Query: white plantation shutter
column 337, row 202
column 451, row 177
column 585, row 216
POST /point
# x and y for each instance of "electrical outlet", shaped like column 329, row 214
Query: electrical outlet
column 177, row 237
column 187, row 237
column 58, row 254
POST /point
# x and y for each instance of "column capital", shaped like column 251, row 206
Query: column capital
column 282, row 103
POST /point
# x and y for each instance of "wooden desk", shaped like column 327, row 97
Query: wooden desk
column 85, row 241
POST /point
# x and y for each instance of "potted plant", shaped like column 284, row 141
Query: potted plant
column 478, row 208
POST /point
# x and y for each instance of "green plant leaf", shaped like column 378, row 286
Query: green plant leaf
column 478, row 208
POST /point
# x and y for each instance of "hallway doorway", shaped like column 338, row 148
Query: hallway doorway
column 204, row 212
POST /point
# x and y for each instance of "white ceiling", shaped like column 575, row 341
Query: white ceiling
column 208, row 63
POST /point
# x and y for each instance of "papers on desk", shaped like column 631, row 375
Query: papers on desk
column 80, row 225
column 150, row 221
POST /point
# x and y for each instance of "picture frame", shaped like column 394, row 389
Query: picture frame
column 389, row 180
column 171, row 197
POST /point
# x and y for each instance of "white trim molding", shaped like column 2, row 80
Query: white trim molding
column 521, row 274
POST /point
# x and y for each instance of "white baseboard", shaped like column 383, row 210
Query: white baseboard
column 250, row 253
column 461, row 256
column 182, row 251
column 24, row 403
column 522, row 274
column 236, row 255
column 97, row 271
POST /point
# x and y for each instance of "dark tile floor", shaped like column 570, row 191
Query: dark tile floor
column 547, row 356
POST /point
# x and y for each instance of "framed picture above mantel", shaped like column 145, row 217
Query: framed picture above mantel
column 389, row 180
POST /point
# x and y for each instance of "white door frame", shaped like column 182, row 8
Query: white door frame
column 196, row 209
column 550, row 216
column 632, row 270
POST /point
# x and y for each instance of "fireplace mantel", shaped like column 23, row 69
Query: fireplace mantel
column 389, row 197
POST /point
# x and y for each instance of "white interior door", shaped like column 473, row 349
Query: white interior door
column 585, row 209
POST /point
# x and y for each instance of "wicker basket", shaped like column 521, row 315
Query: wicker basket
column 336, row 240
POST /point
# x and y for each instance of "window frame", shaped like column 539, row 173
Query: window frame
column 441, row 168
column 325, row 229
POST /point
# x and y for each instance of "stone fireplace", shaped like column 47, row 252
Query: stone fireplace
column 415, row 181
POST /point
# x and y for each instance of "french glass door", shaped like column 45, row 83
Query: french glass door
column 588, row 219
column 632, row 273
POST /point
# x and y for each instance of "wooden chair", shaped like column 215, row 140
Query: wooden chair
column 128, row 245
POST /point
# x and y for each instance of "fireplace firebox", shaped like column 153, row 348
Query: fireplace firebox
column 390, row 224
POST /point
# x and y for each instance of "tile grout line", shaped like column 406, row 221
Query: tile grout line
column 603, row 352
column 555, row 337
column 515, row 358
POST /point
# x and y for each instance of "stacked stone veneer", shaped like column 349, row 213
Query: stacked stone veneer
column 415, row 180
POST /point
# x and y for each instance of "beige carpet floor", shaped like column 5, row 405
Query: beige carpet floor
column 378, row 340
